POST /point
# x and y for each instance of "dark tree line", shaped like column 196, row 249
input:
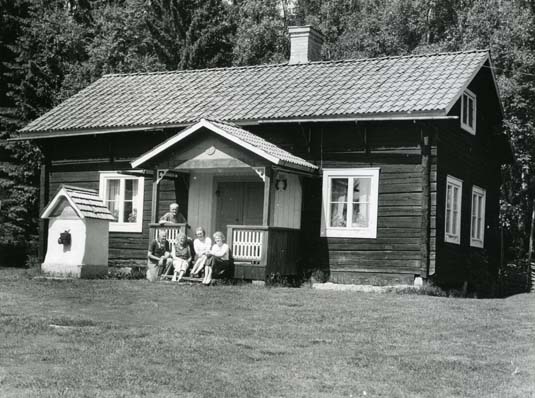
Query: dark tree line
column 50, row 49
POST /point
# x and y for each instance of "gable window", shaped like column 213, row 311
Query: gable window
column 124, row 197
column 468, row 111
column 477, row 228
column 454, row 188
column 350, row 203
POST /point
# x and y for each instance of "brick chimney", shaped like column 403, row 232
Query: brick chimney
column 305, row 44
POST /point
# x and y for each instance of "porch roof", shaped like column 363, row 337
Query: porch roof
column 239, row 136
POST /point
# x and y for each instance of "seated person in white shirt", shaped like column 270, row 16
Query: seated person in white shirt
column 202, row 245
column 217, row 263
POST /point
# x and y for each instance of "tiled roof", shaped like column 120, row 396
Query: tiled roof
column 240, row 136
column 86, row 201
column 421, row 84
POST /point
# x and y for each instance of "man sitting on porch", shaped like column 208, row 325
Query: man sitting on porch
column 173, row 216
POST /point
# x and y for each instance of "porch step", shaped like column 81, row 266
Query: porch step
column 184, row 279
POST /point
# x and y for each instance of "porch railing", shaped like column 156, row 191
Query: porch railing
column 275, row 248
column 171, row 231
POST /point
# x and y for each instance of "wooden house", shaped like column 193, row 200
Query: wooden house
column 374, row 170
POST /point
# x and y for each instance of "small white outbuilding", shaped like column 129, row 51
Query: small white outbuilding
column 77, row 234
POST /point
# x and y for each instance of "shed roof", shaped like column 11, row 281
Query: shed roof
column 239, row 136
column 415, row 86
column 85, row 202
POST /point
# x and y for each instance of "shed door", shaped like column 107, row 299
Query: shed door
column 239, row 203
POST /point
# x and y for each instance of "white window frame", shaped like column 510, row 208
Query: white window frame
column 370, row 231
column 467, row 94
column 454, row 217
column 115, row 175
column 477, row 217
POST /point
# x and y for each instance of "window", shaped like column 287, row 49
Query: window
column 454, row 189
column 468, row 111
column 350, row 203
column 124, row 197
column 477, row 234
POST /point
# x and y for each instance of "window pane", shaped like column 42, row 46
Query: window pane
column 128, row 214
column 448, row 208
column 338, row 214
column 455, row 210
column 361, row 213
column 338, row 202
column 339, row 190
column 465, row 109
column 361, row 202
column 470, row 112
column 112, row 197
column 361, row 190
column 129, row 187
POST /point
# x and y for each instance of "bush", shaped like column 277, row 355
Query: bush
column 514, row 278
column 278, row 280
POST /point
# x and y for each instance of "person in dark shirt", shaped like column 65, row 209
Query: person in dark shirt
column 159, row 252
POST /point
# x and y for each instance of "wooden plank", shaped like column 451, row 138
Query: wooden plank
column 155, row 199
column 43, row 201
column 426, row 204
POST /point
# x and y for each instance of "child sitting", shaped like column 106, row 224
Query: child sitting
column 181, row 257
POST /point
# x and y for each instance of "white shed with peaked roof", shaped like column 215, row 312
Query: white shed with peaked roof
column 77, row 233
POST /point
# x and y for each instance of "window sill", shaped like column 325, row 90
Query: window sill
column 367, row 233
column 452, row 239
column 125, row 228
column 477, row 243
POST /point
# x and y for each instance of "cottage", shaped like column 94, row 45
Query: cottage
column 373, row 170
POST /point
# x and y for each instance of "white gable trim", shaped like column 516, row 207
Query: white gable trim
column 190, row 130
column 53, row 203
column 468, row 81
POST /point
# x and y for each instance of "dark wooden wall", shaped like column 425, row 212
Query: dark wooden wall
column 476, row 161
column 78, row 161
column 395, row 255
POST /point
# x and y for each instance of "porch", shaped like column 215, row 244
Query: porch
column 257, row 251
column 226, row 179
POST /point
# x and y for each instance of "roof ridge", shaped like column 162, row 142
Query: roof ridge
column 286, row 64
column 72, row 187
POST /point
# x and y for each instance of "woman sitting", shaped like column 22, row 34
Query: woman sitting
column 181, row 257
column 202, row 245
column 218, row 259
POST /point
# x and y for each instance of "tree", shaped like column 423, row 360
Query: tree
column 189, row 34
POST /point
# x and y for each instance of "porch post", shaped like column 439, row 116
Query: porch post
column 155, row 197
column 267, row 197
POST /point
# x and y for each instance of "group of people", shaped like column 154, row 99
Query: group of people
column 209, row 257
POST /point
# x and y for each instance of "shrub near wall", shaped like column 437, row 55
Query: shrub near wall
column 13, row 255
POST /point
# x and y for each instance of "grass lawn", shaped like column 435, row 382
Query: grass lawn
column 113, row 338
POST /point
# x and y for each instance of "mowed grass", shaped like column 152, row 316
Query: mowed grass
column 115, row 338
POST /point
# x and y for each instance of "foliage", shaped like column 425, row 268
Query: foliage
column 261, row 36
column 189, row 34
column 50, row 49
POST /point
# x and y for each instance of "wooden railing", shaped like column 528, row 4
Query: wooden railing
column 171, row 231
column 275, row 248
